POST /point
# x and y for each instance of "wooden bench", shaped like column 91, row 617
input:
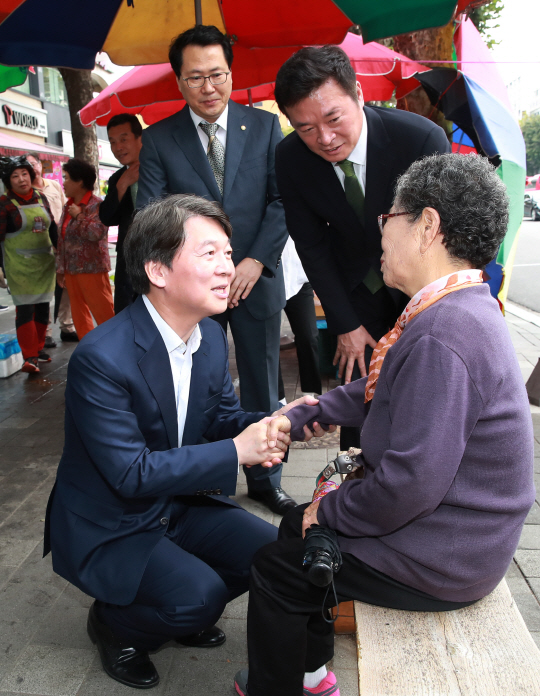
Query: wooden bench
column 482, row 650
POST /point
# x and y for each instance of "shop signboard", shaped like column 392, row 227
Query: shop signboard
column 22, row 118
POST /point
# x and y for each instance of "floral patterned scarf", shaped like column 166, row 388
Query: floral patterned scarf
column 422, row 300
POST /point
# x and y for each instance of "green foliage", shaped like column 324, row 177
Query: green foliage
column 484, row 18
column 530, row 127
column 286, row 130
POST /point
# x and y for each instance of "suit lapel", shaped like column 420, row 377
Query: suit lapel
column 379, row 168
column 155, row 367
column 321, row 178
column 236, row 140
column 187, row 138
column 197, row 394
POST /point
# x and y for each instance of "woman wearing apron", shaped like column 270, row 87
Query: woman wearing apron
column 26, row 228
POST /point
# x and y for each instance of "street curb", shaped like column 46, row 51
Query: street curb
column 522, row 313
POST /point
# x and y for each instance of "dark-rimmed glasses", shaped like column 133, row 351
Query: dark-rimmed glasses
column 218, row 78
column 384, row 217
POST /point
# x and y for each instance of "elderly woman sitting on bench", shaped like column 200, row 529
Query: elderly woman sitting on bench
column 446, row 436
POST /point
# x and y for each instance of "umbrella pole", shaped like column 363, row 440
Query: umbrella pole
column 198, row 12
column 250, row 98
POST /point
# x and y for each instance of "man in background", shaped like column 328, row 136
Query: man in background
column 225, row 152
column 55, row 195
column 124, row 131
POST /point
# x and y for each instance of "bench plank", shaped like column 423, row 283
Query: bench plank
column 482, row 650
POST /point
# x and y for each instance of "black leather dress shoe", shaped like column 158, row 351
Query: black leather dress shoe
column 69, row 336
column 127, row 665
column 275, row 499
column 211, row 637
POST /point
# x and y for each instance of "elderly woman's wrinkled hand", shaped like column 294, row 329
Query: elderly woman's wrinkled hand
column 281, row 424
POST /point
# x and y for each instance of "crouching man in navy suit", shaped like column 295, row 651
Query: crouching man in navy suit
column 140, row 517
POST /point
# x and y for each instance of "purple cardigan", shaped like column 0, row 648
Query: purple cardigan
column 448, row 449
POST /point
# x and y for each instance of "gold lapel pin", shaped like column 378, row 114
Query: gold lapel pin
column 242, row 128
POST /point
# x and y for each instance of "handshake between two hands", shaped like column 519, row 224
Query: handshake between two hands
column 267, row 441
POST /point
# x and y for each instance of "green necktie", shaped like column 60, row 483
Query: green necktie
column 355, row 198
column 353, row 190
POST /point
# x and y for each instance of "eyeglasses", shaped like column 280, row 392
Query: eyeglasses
column 217, row 78
column 384, row 217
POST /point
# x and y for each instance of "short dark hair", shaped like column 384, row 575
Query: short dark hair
column 120, row 119
column 35, row 155
column 200, row 35
column 79, row 170
column 9, row 164
column 308, row 69
column 158, row 232
column 470, row 198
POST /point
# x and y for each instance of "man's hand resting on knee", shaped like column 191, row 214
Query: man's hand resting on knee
column 253, row 447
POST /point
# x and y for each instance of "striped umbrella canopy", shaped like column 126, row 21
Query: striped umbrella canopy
column 65, row 33
column 152, row 91
column 474, row 97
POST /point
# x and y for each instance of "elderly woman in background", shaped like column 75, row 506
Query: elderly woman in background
column 26, row 228
column 446, row 435
column 83, row 262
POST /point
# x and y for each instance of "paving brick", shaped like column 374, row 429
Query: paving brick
column 48, row 671
column 18, row 422
column 534, row 515
column 530, row 537
column 529, row 563
column 535, row 586
column 526, row 602
column 218, row 679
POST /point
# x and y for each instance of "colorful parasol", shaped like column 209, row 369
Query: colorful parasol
column 138, row 32
column 474, row 97
column 152, row 91
column 11, row 76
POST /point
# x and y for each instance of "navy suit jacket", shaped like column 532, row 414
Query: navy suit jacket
column 172, row 160
column 335, row 249
column 122, row 466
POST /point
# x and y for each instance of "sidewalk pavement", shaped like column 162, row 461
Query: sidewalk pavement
column 44, row 648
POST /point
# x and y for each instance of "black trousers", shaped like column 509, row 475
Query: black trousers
column 300, row 312
column 201, row 563
column 287, row 634
column 256, row 344
column 378, row 320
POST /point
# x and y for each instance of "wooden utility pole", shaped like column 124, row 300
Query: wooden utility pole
column 79, row 92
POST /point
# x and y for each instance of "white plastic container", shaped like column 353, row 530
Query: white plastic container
column 11, row 359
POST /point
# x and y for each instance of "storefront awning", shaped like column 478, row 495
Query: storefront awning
column 11, row 145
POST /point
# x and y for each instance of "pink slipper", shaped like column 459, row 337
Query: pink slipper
column 326, row 687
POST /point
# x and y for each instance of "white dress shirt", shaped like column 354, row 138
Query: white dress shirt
column 357, row 157
column 221, row 132
column 181, row 359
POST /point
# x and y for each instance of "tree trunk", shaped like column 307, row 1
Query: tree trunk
column 426, row 45
column 80, row 92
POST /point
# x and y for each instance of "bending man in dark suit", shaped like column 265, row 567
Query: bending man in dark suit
column 225, row 152
column 336, row 174
column 124, row 131
column 139, row 517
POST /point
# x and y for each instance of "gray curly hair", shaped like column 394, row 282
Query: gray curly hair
column 468, row 195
